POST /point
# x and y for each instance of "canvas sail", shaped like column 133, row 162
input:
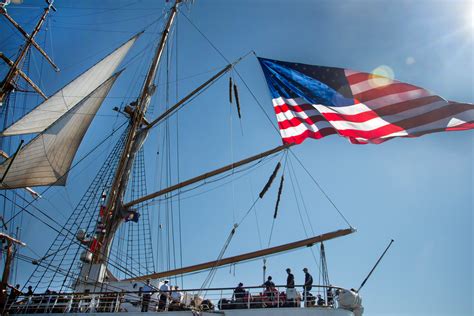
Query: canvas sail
column 47, row 158
column 69, row 96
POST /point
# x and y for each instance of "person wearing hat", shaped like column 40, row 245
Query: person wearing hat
column 164, row 294
column 308, row 283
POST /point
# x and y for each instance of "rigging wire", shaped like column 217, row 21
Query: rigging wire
column 70, row 233
column 106, row 49
column 301, row 216
column 51, row 226
column 238, row 74
column 320, row 188
column 206, row 182
column 177, row 150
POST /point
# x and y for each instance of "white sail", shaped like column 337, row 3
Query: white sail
column 47, row 158
column 62, row 101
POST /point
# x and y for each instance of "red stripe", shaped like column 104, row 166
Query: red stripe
column 438, row 114
column 298, row 139
column 297, row 121
column 375, row 133
column 399, row 107
column 357, row 77
column 357, row 118
column 384, row 91
column 461, row 127
column 295, row 108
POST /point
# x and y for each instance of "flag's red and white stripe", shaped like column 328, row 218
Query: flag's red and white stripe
column 382, row 109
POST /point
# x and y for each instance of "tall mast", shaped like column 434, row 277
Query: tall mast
column 136, row 135
column 7, row 85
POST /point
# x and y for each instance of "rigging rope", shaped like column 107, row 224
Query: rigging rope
column 320, row 188
column 177, row 150
column 213, row 270
column 300, row 215
column 272, row 123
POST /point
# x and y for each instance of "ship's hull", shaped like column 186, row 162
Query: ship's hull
column 313, row 311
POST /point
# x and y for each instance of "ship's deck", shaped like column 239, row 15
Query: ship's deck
column 255, row 301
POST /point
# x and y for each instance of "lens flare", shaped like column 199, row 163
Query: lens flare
column 410, row 60
column 381, row 76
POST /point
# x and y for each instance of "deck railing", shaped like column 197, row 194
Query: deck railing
column 154, row 301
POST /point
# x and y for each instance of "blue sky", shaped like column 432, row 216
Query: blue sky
column 416, row 191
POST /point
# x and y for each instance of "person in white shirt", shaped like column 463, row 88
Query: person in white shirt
column 164, row 294
column 176, row 295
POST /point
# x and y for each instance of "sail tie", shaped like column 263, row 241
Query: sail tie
column 270, row 180
column 237, row 100
column 280, row 189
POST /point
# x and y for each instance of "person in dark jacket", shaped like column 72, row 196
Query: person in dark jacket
column 239, row 296
column 239, row 292
column 290, row 279
column 308, row 283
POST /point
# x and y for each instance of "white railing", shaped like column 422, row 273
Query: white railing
column 194, row 299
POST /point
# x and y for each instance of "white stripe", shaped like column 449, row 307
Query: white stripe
column 282, row 101
column 349, row 72
column 364, row 126
column 288, row 115
column 400, row 133
column 369, row 105
column 372, row 83
column 345, row 110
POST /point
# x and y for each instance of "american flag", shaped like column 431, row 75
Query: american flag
column 316, row 101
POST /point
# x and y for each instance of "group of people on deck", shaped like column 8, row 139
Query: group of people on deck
column 168, row 295
column 291, row 297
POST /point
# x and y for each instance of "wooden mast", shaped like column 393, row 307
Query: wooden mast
column 114, row 206
column 7, row 85
column 248, row 256
column 8, row 262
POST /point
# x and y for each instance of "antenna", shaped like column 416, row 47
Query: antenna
column 375, row 266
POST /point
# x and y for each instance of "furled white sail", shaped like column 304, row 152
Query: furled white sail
column 62, row 101
column 47, row 158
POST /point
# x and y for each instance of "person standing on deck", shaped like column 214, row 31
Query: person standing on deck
column 290, row 288
column 290, row 280
column 164, row 293
column 146, row 296
column 308, row 283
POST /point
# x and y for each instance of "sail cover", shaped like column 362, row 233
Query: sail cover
column 69, row 96
column 47, row 158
